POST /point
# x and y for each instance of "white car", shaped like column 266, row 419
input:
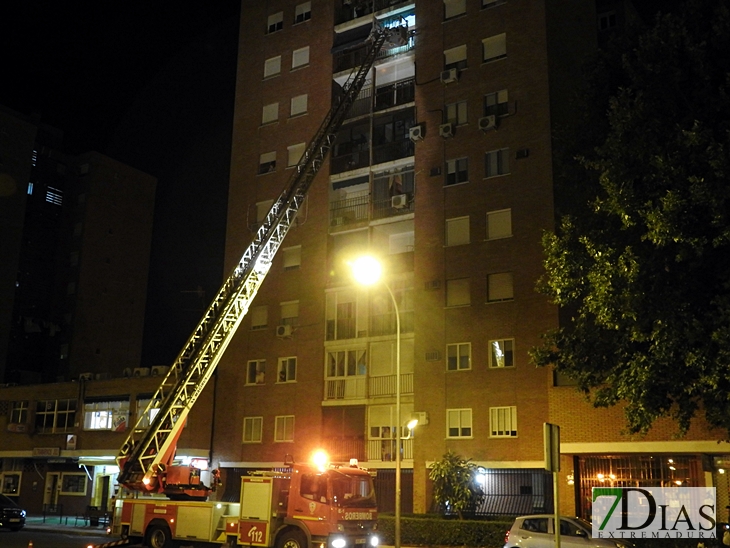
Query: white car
column 537, row 531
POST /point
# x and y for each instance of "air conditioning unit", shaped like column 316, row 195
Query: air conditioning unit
column 141, row 372
column 127, row 372
column 487, row 123
column 421, row 417
column 446, row 130
column 416, row 133
column 86, row 377
column 399, row 201
column 449, row 76
column 283, row 331
column 159, row 370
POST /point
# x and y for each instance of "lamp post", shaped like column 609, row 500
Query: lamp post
column 367, row 271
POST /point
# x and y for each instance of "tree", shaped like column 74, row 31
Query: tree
column 640, row 260
column 455, row 487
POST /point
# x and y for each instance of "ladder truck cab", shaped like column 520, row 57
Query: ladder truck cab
column 319, row 506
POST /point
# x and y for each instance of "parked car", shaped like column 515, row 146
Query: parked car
column 537, row 531
column 12, row 516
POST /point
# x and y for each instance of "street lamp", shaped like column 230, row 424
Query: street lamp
column 367, row 271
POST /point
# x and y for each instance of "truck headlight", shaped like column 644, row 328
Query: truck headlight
column 338, row 542
column 374, row 540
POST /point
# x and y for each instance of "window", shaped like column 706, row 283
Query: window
column 272, row 67
column 303, row 12
column 290, row 313
column 457, row 171
column 292, row 257
column 345, row 374
column 458, row 292
column 455, row 58
column 267, row 162
column 494, row 47
column 55, row 416
column 295, row 153
column 503, row 422
column 300, row 57
column 106, row 415
column 458, row 356
column 284, row 428
column 262, row 210
column 252, row 429
column 496, row 103
column 496, row 162
column 535, row 525
column 270, row 113
column 454, row 8
column 142, row 403
column 299, row 105
column 606, row 20
column 276, row 22
column 287, row 370
column 10, row 483
column 73, row 483
column 456, row 113
column 501, row 353
column 259, row 317
column 457, row 231
column 499, row 224
column 19, row 412
column 255, row 372
column 499, row 287
column 458, row 423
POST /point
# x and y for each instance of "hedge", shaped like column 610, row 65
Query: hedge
column 437, row 531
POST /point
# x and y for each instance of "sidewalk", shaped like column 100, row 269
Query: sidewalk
column 65, row 524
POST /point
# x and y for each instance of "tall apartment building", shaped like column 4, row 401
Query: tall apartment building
column 443, row 169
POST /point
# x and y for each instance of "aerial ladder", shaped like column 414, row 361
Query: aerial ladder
column 145, row 459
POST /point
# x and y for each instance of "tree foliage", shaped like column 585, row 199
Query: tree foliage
column 455, row 487
column 640, row 260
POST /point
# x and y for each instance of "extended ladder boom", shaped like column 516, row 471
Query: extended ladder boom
column 147, row 451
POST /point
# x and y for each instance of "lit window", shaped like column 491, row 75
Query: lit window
column 299, row 105
column 494, row 47
column 496, row 162
column 300, row 57
column 495, row 104
column 270, row 113
column 303, row 12
column 259, row 317
column 501, row 353
column 255, row 372
column 287, row 370
column 458, row 423
column 284, row 428
column 458, row 292
column 457, row 231
column 267, row 162
column 454, row 8
column 290, row 313
column 106, row 415
column 457, row 171
column 145, row 413
column 272, row 67
column 456, row 113
column 455, row 58
column 295, row 153
column 503, row 422
column 499, row 224
column 292, row 257
column 499, row 287
column 252, row 429
column 275, row 22
column 458, row 356
column 10, row 483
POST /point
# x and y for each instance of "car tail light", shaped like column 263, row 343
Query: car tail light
column 506, row 536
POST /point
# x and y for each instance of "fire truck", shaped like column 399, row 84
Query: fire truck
column 327, row 506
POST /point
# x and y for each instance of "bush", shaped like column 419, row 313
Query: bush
column 436, row 531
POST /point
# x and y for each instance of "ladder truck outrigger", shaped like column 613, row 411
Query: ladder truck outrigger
column 311, row 505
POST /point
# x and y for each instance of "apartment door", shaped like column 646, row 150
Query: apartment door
column 53, row 487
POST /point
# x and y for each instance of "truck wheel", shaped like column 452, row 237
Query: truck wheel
column 292, row 539
column 158, row 536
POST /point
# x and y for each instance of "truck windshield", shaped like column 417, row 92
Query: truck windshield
column 353, row 490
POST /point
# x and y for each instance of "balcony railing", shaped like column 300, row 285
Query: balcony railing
column 349, row 388
column 384, row 450
column 348, row 60
column 344, row 448
column 395, row 94
column 349, row 211
column 385, row 385
column 353, row 9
